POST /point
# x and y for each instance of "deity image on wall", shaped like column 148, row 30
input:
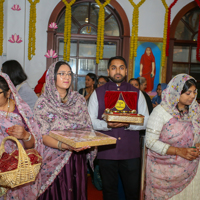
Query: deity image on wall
column 147, row 68
column 147, row 63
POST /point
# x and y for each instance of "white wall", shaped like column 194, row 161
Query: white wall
column 151, row 15
column 151, row 23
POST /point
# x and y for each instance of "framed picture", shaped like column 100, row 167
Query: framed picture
column 148, row 62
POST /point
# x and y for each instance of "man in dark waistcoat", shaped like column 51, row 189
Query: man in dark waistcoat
column 124, row 157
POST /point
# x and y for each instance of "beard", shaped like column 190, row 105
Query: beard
column 117, row 80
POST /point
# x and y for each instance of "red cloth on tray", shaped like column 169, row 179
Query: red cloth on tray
column 111, row 98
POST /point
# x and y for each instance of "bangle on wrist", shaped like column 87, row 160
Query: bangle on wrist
column 29, row 138
column 60, row 146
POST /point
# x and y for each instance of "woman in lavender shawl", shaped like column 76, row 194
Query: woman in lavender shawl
column 59, row 108
column 17, row 120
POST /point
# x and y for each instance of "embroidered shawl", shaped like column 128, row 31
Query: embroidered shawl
column 30, row 190
column 170, row 98
column 52, row 114
column 168, row 175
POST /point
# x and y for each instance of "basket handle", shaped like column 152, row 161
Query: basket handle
column 21, row 150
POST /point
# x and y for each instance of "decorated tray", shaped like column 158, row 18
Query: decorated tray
column 121, row 107
column 82, row 138
column 125, row 116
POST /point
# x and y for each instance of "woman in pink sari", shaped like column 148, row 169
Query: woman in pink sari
column 17, row 120
column 173, row 137
column 59, row 108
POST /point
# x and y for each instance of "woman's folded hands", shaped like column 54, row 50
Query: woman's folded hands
column 188, row 153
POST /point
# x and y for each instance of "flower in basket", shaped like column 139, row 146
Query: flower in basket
column 16, row 7
column 53, row 25
column 15, row 39
column 51, row 54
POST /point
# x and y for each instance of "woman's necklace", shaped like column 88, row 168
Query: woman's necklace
column 181, row 111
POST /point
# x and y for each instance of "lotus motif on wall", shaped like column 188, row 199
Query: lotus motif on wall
column 53, row 25
column 15, row 39
column 16, row 7
column 51, row 54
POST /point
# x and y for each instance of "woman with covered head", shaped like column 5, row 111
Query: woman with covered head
column 17, row 120
column 173, row 139
column 147, row 68
column 59, row 108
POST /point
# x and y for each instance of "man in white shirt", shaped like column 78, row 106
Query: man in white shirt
column 124, row 157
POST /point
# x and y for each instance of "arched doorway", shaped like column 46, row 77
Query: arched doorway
column 84, row 37
column 183, row 43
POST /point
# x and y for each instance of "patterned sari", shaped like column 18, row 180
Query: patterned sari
column 168, row 175
column 22, row 117
column 60, row 167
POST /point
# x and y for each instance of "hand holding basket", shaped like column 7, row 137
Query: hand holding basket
column 24, row 173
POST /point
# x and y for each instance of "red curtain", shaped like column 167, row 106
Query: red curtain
column 111, row 98
column 130, row 99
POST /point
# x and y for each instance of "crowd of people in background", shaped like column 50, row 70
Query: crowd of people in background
column 172, row 162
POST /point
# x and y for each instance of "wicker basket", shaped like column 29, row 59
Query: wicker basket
column 24, row 173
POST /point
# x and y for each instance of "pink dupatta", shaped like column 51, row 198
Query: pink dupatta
column 168, row 175
column 30, row 190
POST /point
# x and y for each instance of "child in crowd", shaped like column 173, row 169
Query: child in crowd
column 157, row 99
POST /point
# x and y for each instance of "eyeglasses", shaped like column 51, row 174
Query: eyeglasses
column 63, row 74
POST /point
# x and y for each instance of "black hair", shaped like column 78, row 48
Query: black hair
column 104, row 77
column 117, row 58
column 57, row 67
column 94, row 78
column 189, row 83
column 134, row 79
column 15, row 71
column 158, row 85
column 4, row 86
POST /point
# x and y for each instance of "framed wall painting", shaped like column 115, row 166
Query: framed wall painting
column 148, row 62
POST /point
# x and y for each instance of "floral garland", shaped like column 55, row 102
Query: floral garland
column 1, row 26
column 100, row 33
column 198, row 39
column 134, row 36
column 164, row 33
column 32, row 28
column 67, row 30
column 168, row 26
